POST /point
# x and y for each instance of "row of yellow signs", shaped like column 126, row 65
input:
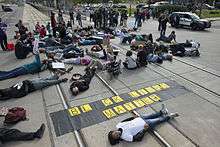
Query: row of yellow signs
column 117, row 99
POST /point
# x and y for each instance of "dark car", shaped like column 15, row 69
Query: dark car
column 189, row 20
column 6, row 8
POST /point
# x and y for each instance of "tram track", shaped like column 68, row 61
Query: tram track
column 79, row 136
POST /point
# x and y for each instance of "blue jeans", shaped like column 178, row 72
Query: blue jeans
column 41, row 83
column 155, row 119
column 12, row 73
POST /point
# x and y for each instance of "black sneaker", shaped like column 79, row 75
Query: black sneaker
column 39, row 133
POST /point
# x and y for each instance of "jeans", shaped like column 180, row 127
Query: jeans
column 163, row 30
column 155, row 119
column 41, row 83
column 7, row 135
column 12, row 73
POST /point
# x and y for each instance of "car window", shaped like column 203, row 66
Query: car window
column 187, row 16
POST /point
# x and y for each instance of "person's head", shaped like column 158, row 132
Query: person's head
column 20, row 21
column 74, row 90
column 129, row 53
column 173, row 32
column 114, row 137
column 140, row 47
column 50, row 36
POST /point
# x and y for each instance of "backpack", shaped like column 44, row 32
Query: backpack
column 15, row 115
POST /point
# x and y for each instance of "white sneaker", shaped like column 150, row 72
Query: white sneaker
column 173, row 115
column 164, row 110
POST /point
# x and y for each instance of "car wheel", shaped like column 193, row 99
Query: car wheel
column 193, row 27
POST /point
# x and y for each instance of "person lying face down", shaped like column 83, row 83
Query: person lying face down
column 25, row 87
column 82, row 84
column 134, row 128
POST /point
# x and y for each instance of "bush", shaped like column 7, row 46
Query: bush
column 169, row 8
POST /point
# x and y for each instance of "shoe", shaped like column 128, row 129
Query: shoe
column 69, row 69
column 164, row 110
column 64, row 80
column 39, row 133
column 173, row 115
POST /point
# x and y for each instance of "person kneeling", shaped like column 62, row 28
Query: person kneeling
column 133, row 129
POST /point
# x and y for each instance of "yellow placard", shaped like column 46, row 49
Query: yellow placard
column 142, row 91
column 147, row 100
column 120, row 109
column 157, row 87
column 107, row 102
column 134, row 94
column 154, row 97
column 117, row 99
column 164, row 85
column 139, row 103
column 74, row 111
column 109, row 113
column 86, row 108
column 150, row 89
column 129, row 106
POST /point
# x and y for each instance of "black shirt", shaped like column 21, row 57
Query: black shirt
column 16, row 91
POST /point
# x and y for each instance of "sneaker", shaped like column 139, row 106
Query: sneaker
column 69, row 69
column 164, row 110
column 39, row 133
column 173, row 115
column 64, row 80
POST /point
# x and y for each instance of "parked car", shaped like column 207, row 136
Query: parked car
column 187, row 19
column 7, row 8
column 208, row 7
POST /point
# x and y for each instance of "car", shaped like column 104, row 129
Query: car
column 7, row 8
column 188, row 19
column 208, row 7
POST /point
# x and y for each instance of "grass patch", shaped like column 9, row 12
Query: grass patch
column 210, row 13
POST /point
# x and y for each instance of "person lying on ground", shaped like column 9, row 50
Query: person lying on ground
column 71, row 51
column 169, row 39
column 78, row 61
column 102, row 54
column 25, row 87
column 10, row 135
column 134, row 128
column 93, row 40
column 130, row 63
column 50, row 42
column 82, row 84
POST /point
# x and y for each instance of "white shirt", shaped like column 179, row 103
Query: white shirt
column 131, row 62
column 131, row 128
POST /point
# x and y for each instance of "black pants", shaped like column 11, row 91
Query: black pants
column 54, row 32
column 7, row 135
column 4, row 43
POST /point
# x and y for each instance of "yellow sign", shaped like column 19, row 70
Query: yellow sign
column 147, row 101
column 139, row 103
column 129, row 106
column 109, row 113
column 150, row 89
column 142, row 92
column 164, row 85
column 107, row 102
column 86, row 108
column 134, row 94
column 74, row 111
column 157, row 87
column 154, row 97
column 117, row 99
column 120, row 109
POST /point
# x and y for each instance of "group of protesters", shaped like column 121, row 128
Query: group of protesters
column 61, row 42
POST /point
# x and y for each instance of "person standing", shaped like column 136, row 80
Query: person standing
column 71, row 13
column 53, row 23
column 79, row 18
column 3, row 35
column 163, row 25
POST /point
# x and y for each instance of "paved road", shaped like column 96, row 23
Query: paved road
column 199, row 108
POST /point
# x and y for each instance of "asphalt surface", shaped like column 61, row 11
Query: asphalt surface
column 199, row 121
